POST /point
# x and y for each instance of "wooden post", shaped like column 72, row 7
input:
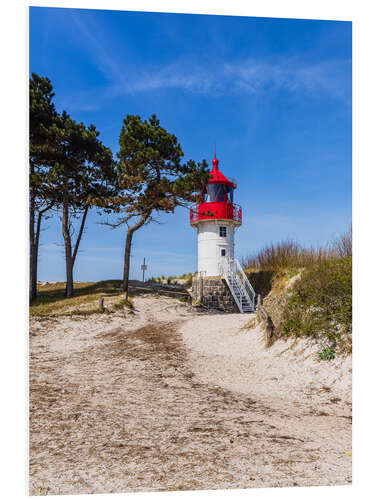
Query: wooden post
column 270, row 327
column 259, row 301
column 101, row 304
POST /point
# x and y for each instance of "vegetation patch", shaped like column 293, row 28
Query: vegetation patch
column 185, row 279
column 321, row 304
column 328, row 353
column 52, row 301
column 307, row 292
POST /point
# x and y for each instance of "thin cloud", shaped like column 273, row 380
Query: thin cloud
column 249, row 76
column 106, row 64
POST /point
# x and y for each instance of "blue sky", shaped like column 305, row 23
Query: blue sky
column 275, row 95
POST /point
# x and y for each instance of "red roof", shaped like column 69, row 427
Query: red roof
column 216, row 177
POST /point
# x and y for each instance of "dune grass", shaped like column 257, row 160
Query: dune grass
column 289, row 254
column 307, row 291
column 51, row 300
column 320, row 304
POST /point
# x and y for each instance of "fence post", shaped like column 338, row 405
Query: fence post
column 101, row 304
column 270, row 327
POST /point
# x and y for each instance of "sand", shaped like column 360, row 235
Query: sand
column 169, row 398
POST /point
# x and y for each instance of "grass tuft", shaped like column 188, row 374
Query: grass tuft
column 327, row 354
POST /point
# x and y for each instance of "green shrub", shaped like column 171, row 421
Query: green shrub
column 328, row 353
column 320, row 303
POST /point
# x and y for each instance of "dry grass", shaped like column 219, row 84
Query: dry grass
column 318, row 304
column 289, row 254
column 51, row 300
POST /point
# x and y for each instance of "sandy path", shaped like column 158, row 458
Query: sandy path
column 145, row 402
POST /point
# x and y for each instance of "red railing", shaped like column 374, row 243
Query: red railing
column 215, row 210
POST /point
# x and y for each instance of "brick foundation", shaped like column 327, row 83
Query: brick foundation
column 214, row 293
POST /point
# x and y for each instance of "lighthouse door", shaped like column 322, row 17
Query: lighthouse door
column 222, row 253
column 222, row 257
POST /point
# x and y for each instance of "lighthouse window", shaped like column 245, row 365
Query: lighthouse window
column 223, row 231
column 219, row 192
column 223, row 252
column 215, row 192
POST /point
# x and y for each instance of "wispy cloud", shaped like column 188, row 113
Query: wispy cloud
column 249, row 76
column 106, row 64
column 329, row 77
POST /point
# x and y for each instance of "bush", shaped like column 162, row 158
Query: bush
column 321, row 303
column 327, row 354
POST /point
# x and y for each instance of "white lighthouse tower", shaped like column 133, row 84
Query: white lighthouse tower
column 216, row 218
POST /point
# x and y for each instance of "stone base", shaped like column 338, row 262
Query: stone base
column 213, row 293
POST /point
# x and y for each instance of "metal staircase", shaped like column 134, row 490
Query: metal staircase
column 240, row 287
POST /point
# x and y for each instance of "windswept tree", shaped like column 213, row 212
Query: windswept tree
column 83, row 173
column 42, row 143
column 151, row 178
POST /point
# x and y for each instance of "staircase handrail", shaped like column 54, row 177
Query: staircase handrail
column 245, row 280
column 226, row 271
column 236, row 278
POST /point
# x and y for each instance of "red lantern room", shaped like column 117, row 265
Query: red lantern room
column 217, row 200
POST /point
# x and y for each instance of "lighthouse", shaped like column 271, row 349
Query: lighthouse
column 220, row 282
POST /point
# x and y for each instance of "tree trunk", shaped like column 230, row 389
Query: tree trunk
column 125, row 283
column 83, row 221
column 70, row 257
column 128, row 243
column 34, row 263
column 32, row 269
column 34, row 246
column 68, row 246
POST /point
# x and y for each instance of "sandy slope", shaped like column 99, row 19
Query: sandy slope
column 168, row 398
column 287, row 374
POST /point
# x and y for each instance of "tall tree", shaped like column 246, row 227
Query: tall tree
column 42, row 117
column 151, row 178
column 83, row 172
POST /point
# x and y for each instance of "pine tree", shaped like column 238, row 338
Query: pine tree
column 42, row 117
column 151, row 178
column 83, row 173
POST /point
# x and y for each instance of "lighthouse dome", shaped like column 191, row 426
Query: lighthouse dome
column 218, row 177
column 217, row 199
